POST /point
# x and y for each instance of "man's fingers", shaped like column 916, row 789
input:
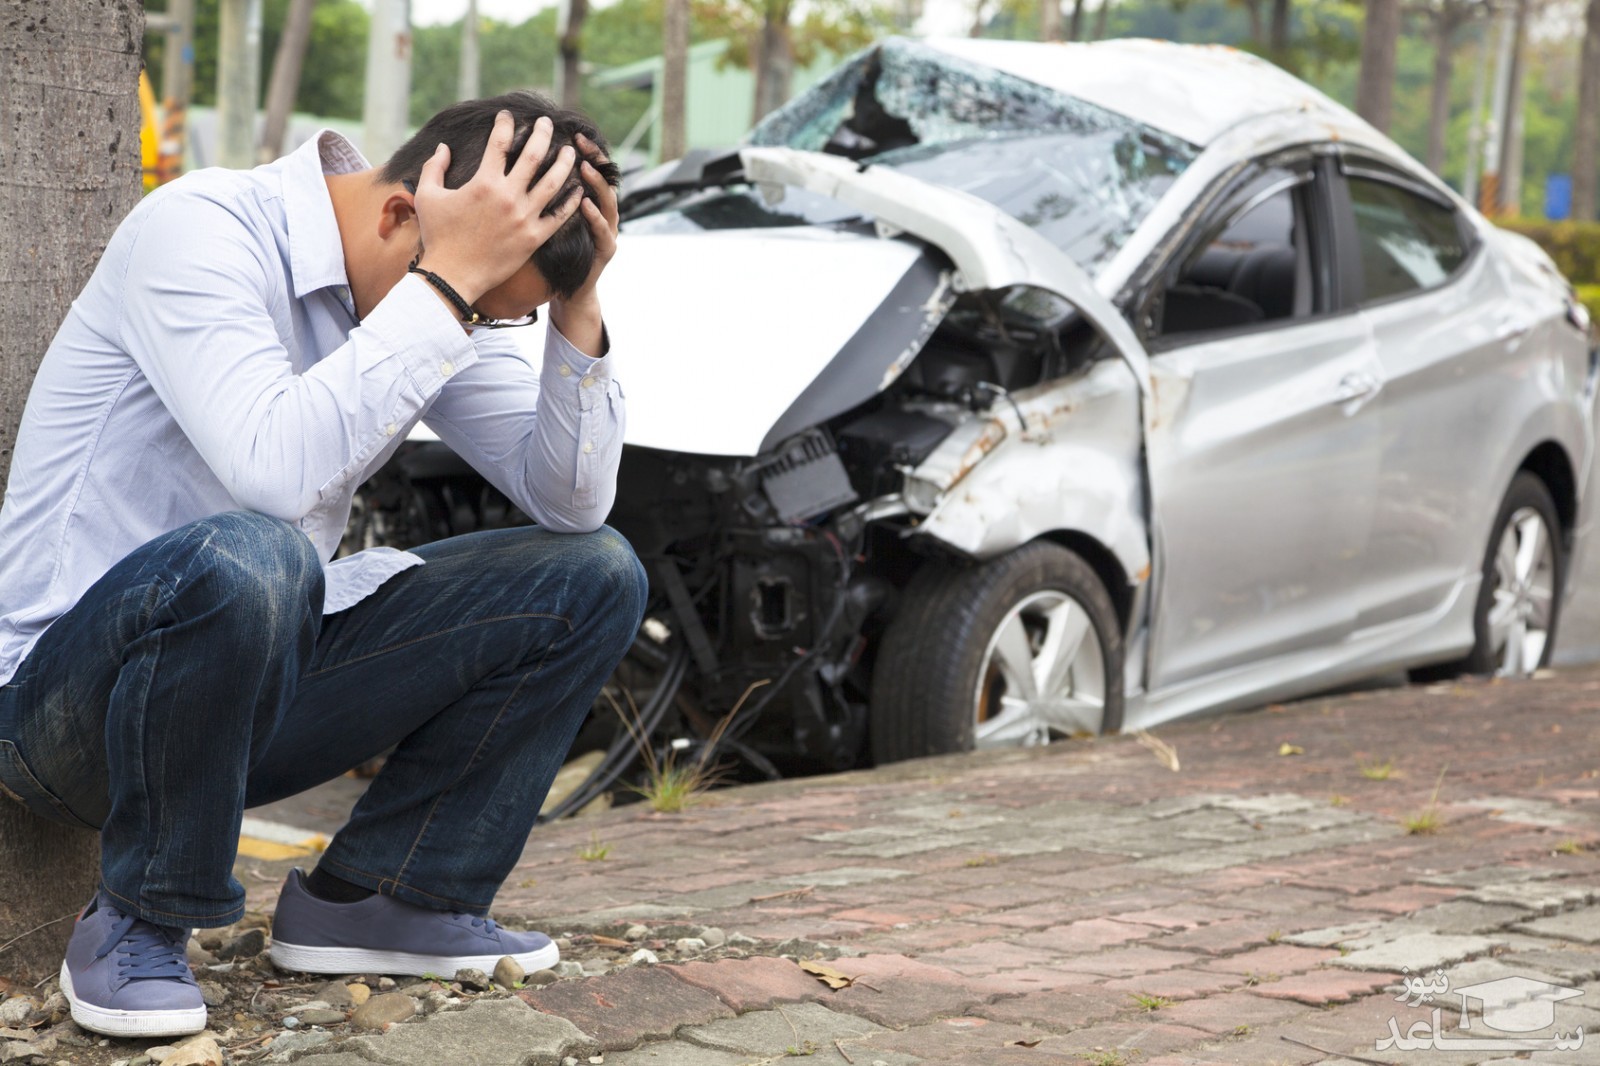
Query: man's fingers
column 549, row 186
column 533, row 152
column 499, row 148
column 605, row 196
column 433, row 170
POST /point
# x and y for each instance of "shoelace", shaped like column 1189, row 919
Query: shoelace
column 149, row 951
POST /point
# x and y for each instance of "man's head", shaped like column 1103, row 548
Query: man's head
column 565, row 259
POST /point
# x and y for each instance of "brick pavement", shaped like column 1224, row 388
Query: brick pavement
column 1083, row 903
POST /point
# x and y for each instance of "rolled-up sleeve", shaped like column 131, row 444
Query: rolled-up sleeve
column 549, row 437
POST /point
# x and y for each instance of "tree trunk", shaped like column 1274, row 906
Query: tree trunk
column 774, row 60
column 285, row 83
column 571, row 73
column 1586, row 140
column 1375, row 90
column 1445, row 23
column 469, row 78
column 675, row 79
column 64, row 65
column 1279, row 43
column 1049, row 20
column 1075, row 27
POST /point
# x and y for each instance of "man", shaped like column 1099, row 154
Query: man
column 175, row 645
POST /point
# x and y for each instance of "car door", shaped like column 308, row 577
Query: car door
column 1448, row 344
column 1264, row 445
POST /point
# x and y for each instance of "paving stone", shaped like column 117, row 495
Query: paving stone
column 502, row 1032
column 1546, row 897
column 621, row 1009
column 1125, row 962
column 1418, row 951
column 1323, row 986
column 752, row 984
column 1277, row 959
column 1090, row 935
column 676, row 1053
column 894, row 990
column 1582, row 925
column 773, row 1032
column 1227, row 1012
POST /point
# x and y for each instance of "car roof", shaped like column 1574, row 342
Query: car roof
column 1193, row 91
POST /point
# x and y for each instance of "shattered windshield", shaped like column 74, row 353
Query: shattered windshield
column 1083, row 177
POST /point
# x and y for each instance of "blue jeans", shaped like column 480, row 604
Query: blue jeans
column 199, row 677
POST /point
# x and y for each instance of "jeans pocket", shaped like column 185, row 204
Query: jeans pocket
column 18, row 782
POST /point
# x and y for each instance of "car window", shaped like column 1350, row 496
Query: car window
column 1407, row 243
column 1255, row 269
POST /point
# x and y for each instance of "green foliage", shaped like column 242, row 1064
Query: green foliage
column 1575, row 246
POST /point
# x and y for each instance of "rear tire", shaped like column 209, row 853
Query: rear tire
column 1519, row 598
column 954, row 669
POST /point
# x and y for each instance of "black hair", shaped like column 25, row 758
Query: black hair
column 566, row 258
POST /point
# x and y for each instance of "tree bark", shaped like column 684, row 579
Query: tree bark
column 675, row 79
column 1446, row 20
column 774, row 59
column 1049, row 20
column 1075, row 27
column 1375, row 90
column 64, row 65
column 1586, row 139
column 571, row 72
column 285, row 83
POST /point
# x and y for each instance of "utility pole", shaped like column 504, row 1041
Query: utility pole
column 1480, row 85
column 388, row 102
column 239, row 81
column 1489, row 194
column 470, row 84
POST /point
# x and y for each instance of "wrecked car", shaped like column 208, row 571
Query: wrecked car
column 996, row 392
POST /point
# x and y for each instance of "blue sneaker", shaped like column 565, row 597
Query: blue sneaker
column 124, row 976
column 381, row 934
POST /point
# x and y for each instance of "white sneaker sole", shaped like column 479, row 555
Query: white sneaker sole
column 367, row 960
column 108, row 1021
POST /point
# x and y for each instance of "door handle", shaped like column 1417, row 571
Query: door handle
column 1356, row 385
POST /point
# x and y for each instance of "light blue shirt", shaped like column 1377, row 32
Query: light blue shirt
column 213, row 363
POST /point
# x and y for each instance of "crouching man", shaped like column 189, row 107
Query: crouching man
column 175, row 644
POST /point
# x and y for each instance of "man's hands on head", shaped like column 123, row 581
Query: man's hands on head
column 477, row 236
column 578, row 316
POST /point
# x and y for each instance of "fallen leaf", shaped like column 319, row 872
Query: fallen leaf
column 1166, row 753
column 1287, row 748
column 828, row 975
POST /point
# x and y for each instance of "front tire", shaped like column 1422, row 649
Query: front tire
column 1012, row 652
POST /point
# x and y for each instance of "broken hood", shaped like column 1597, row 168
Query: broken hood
column 730, row 340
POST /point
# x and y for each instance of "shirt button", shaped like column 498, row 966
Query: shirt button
column 447, row 369
column 588, row 446
column 587, row 381
column 389, row 430
column 565, row 371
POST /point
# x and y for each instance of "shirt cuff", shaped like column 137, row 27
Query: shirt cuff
column 566, row 362
column 427, row 338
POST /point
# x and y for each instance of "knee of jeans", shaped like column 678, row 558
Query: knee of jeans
column 263, row 559
column 620, row 580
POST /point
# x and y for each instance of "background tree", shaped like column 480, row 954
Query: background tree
column 1375, row 91
column 675, row 79
column 64, row 65
column 1586, row 140
column 284, row 85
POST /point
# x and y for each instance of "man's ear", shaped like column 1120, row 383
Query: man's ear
column 399, row 212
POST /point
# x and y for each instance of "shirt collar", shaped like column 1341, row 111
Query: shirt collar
column 316, row 254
